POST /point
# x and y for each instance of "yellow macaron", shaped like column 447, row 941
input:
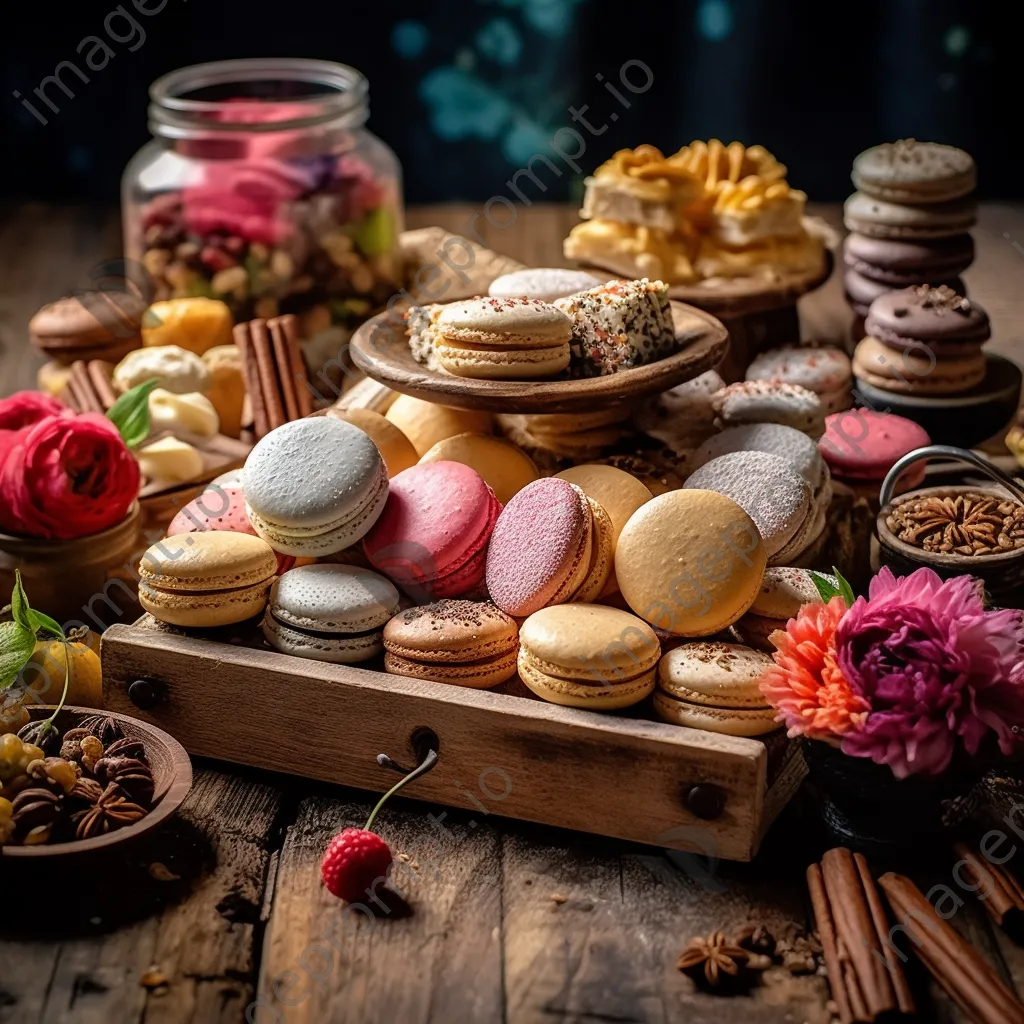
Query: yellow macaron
column 506, row 468
column 602, row 554
column 425, row 423
column 714, row 686
column 201, row 580
column 588, row 656
column 395, row 448
column 690, row 562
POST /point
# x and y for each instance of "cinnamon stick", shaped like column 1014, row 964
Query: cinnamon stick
column 270, row 386
column 100, row 374
column 867, row 981
column 83, row 388
column 291, row 366
column 251, row 376
column 998, row 891
column 968, row 979
column 283, row 365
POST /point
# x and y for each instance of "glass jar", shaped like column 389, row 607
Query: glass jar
column 261, row 187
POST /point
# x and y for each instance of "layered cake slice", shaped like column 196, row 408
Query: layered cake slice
column 421, row 329
column 619, row 325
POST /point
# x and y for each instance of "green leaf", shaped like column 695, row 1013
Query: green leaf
column 845, row 590
column 42, row 623
column 130, row 413
column 826, row 588
column 19, row 602
column 17, row 642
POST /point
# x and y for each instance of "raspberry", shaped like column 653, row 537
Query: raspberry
column 354, row 860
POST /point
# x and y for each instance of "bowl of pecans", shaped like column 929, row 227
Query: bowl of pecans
column 970, row 529
column 85, row 781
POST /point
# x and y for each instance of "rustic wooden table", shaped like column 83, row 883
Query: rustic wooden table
column 221, row 915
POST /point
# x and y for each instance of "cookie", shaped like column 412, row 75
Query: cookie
column 903, row 262
column 912, row 172
column 914, row 371
column 880, row 219
column 823, row 369
column 937, row 319
column 800, row 451
column 762, row 401
column 543, row 283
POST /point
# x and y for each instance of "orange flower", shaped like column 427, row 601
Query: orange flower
column 806, row 685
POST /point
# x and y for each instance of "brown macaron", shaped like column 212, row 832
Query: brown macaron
column 91, row 325
column 466, row 643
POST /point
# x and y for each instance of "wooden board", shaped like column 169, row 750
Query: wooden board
column 380, row 349
column 541, row 762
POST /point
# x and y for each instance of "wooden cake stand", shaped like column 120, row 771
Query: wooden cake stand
column 380, row 349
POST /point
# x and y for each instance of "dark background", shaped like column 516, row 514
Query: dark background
column 466, row 91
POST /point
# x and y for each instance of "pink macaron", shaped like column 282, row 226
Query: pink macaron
column 431, row 539
column 863, row 445
column 223, row 509
column 540, row 548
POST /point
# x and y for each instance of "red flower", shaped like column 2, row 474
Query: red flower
column 65, row 476
column 24, row 408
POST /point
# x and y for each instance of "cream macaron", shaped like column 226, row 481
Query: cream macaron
column 334, row 613
column 505, row 467
column 426, row 423
column 784, row 591
column 714, row 686
column 395, row 448
column 202, row 580
column 588, row 656
column 503, row 339
column 314, row 486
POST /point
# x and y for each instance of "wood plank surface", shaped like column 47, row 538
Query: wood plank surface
column 484, row 940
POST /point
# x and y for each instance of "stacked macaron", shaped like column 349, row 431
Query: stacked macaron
column 714, row 686
column 554, row 438
column 784, row 591
column 684, row 416
column 503, row 339
column 766, row 401
column 923, row 341
column 909, row 219
column 860, row 446
column 432, row 538
column 314, row 486
column 465, row 643
column 823, row 369
column 552, row 544
column 334, row 613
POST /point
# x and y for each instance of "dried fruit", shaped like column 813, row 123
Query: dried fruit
column 134, row 777
column 106, row 729
column 85, row 793
column 15, row 757
column 713, row 961
column 54, row 773
column 112, row 811
column 71, row 748
column 969, row 523
column 35, row 812
column 756, row 938
column 128, row 747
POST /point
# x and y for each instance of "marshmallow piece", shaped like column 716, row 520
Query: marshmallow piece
column 193, row 413
column 170, row 461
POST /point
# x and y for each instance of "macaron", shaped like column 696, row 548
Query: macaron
column 568, row 435
column 334, row 613
column 588, row 656
column 466, row 643
column 690, row 562
column 916, row 371
column 683, row 416
column 784, row 591
column 861, row 291
column 431, row 539
column 395, row 448
column 823, row 369
column 656, row 477
column 799, row 450
column 505, row 467
column 863, row 445
column 314, row 486
column 766, row 487
column 765, row 401
column 503, row 339
column 912, row 172
column 543, row 283
column 881, row 219
column 714, row 686
column 425, row 423
column 618, row 493
column 202, row 580
column 541, row 548
column 902, row 262
column 176, row 369
column 220, row 508
column 921, row 318
column 91, row 325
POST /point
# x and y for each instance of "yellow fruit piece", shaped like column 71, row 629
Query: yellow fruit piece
column 13, row 715
column 196, row 324
column 44, row 674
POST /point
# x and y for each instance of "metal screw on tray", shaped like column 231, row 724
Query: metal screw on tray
column 705, row 800
column 143, row 694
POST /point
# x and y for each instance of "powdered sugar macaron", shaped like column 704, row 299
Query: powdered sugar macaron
column 544, row 283
column 773, row 438
column 764, row 401
column 503, row 339
column 314, row 486
column 823, row 369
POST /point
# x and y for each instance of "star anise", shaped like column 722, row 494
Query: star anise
column 112, row 811
column 106, row 729
column 128, row 747
column 134, row 777
column 961, row 524
column 714, row 960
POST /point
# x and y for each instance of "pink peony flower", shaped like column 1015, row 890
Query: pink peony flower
column 935, row 667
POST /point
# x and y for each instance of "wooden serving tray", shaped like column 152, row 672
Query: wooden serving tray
column 226, row 695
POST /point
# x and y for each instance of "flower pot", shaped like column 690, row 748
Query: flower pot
column 865, row 807
column 87, row 581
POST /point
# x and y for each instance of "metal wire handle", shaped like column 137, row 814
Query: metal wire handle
column 949, row 452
